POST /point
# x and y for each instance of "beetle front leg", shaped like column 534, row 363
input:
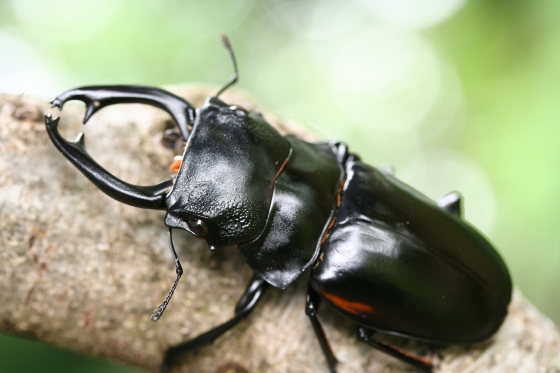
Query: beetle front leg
column 253, row 293
column 311, row 309
column 364, row 335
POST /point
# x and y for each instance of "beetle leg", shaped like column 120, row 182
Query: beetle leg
column 364, row 335
column 253, row 293
column 452, row 202
column 98, row 97
column 311, row 309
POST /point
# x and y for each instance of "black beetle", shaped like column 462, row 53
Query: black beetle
column 380, row 252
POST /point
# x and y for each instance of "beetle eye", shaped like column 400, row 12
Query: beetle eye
column 198, row 227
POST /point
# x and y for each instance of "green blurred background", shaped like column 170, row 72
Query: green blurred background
column 454, row 94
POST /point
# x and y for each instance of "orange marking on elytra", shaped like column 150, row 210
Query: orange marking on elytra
column 355, row 308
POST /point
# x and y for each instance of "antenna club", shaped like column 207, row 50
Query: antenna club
column 226, row 42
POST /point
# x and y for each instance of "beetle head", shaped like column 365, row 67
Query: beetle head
column 223, row 189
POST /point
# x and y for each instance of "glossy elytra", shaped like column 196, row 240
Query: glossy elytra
column 380, row 252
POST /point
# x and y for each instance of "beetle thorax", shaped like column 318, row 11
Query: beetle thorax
column 226, row 179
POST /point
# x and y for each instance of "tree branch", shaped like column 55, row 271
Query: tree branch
column 84, row 272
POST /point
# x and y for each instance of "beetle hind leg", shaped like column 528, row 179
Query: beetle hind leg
column 364, row 335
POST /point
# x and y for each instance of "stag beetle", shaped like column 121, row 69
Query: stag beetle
column 377, row 250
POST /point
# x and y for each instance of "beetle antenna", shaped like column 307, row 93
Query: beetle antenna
column 179, row 270
column 235, row 77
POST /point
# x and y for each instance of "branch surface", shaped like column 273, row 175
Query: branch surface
column 84, row 272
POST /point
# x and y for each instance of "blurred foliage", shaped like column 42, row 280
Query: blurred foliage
column 22, row 355
column 454, row 94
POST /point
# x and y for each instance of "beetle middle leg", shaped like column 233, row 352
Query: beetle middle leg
column 311, row 309
column 364, row 335
column 251, row 296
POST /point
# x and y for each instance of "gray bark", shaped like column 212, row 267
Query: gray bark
column 84, row 272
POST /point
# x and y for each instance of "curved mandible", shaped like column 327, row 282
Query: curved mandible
column 97, row 97
column 149, row 197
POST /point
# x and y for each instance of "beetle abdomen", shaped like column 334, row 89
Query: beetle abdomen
column 397, row 277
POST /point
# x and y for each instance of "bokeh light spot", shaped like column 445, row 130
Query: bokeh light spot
column 413, row 13
column 65, row 21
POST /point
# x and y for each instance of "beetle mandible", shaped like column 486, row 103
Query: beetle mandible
column 380, row 252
